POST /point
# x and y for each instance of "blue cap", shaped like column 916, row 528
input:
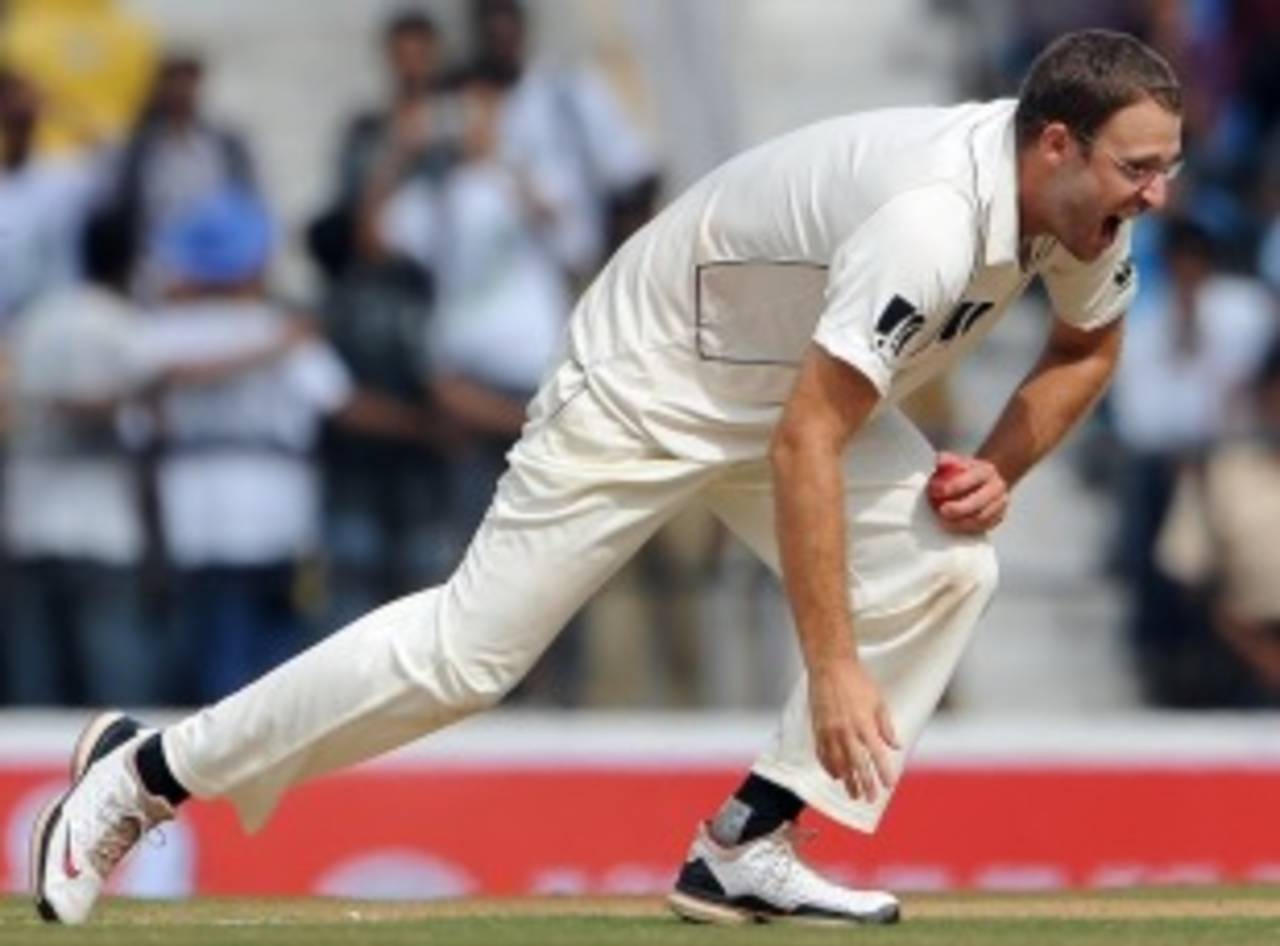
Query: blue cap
column 221, row 239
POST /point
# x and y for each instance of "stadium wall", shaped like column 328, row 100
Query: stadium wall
column 515, row 804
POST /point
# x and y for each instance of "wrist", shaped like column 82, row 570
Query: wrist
column 1009, row 470
column 831, row 661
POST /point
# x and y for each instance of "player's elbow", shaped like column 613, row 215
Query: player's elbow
column 785, row 446
column 795, row 447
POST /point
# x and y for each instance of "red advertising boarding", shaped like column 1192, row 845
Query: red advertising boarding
column 538, row 805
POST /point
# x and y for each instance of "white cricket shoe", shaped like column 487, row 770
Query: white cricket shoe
column 79, row 839
column 764, row 880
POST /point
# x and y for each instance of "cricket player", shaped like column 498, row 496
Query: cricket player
column 744, row 350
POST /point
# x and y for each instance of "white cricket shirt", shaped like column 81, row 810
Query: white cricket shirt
column 890, row 238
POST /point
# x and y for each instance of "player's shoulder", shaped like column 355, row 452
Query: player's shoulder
column 889, row 152
column 931, row 229
column 939, row 136
column 930, row 212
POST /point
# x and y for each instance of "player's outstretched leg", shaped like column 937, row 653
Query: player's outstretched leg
column 79, row 838
column 743, row 867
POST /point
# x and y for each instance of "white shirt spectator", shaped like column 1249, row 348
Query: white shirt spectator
column 504, row 297
column 70, row 490
column 566, row 127
column 1169, row 399
column 42, row 208
column 237, row 485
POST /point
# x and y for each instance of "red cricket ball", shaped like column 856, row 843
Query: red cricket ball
column 947, row 467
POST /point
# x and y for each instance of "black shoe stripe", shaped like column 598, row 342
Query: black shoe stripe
column 697, row 880
column 43, row 907
column 112, row 738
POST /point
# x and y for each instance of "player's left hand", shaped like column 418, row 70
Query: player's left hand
column 968, row 494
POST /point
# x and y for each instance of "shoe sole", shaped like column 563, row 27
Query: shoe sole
column 701, row 910
column 40, row 833
column 697, row 910
column 82, row 756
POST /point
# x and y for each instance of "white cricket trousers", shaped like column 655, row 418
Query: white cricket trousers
column 583, row 492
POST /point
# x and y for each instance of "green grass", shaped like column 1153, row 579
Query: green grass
column 1174, row 917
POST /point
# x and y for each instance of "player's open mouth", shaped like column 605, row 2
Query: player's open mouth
column 1110, row 227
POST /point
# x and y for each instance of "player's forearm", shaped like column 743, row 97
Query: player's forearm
column 809, row 491
column 1065, row 383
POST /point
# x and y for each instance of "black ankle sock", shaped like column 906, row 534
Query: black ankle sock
column 157, row 778
column 756, row 808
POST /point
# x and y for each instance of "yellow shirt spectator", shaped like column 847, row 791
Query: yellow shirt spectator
column 91, row 61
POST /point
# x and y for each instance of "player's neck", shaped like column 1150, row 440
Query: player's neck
column 1032, row 222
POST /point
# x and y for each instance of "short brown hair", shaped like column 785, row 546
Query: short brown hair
column 1083, row 78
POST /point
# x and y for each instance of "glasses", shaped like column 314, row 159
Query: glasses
column 1139, row 174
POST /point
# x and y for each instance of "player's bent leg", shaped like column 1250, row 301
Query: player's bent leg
column 912, row 651
column 917, row 594
column 80, row 837
column 582, row 493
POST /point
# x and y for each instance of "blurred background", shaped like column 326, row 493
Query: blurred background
column 277, row 277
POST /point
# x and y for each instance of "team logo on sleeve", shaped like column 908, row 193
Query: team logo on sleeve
column 896, row 326
column 1123, row 274
column 964, row 317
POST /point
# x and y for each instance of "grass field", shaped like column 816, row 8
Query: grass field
column 1173, row 917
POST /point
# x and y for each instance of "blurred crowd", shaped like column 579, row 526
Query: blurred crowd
column 1188, row 441
column 200, row 477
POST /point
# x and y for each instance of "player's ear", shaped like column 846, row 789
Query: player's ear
column 1055, row 143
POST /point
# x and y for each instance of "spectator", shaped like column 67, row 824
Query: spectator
column 71, row 516
column 1268, row 261
column 504, row 298
column 1219, row 539
column 503, row 301
column 599, row 181
column 174, row 158
column 1188, row 353
column 43, row 203
column 238, row 490
column 385, row 502
column 567, row 121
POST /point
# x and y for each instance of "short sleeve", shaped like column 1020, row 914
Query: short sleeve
column 154, row 347
column 1089, row 295
column 320, row 376
column 896, row 278
column 408, row 223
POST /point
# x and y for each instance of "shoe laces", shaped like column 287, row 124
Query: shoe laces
column 784, row 862
column 116, row 824
column 112, row 832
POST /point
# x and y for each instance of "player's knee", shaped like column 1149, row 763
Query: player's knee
column 976, row 568
column 477, row 700
column 476, row 689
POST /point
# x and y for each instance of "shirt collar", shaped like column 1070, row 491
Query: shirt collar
column 996, row 176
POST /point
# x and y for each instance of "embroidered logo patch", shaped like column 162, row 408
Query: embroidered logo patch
column 896, row 326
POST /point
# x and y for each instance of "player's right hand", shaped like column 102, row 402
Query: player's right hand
column 968, row 494
column 852, row 731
